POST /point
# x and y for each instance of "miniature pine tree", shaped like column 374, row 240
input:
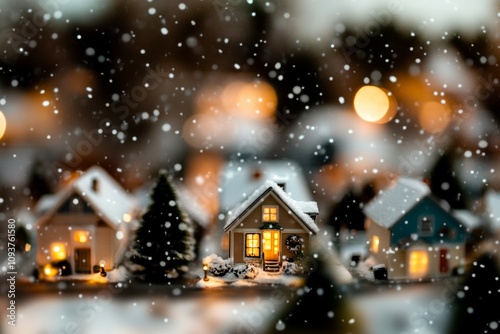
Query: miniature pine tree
column 164, row 242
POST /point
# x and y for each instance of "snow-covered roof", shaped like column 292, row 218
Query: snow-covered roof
column 109, row 200
column 467, row 218
column 240, row 179
column 394, row 202
column 492, row 201
column 300, row 208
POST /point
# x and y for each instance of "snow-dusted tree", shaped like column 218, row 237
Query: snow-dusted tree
column 164, row 241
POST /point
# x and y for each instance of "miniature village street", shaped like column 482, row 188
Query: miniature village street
column 388, row 308
column 249, row 167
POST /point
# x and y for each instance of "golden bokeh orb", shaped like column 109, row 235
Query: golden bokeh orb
column 374, row 104
column 434, row 117
column 253, row 99
column 3, row 124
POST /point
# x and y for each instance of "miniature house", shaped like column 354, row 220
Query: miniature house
column 269, row 227
column 239, row 179
column 411, row 234
column 84, row 225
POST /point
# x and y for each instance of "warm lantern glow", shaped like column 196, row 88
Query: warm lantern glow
column 50, row 271
column 81, row 236
column 58, row 251
column 3, row 124
column 127, row 217
column 434, row 117
column 374, row 104
column 256, row 99
column 418, row 263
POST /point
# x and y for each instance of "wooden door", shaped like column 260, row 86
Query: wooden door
column 82, row 260
column 443, row 261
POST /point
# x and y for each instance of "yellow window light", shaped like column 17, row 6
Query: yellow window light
column 418, row 263
column 375, row 244
column 58, row 251
column 270, row 214
column 81, row 236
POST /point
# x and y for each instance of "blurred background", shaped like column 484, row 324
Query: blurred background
column 355, row 92
column 135, row 86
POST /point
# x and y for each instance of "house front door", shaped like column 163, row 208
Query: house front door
column 271, row 242
column 82, row 260
column 443, row 261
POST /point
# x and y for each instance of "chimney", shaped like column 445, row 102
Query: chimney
column 95, row 185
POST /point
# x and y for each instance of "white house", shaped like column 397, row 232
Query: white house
column 84, row 225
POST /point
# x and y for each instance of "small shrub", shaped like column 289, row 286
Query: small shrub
column 217, row 266
column 292, row 268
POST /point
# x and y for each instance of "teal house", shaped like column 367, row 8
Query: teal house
column 412, row 234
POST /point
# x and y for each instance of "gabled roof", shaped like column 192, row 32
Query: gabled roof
column 239, row 179
column 392, row 203
column 110, row 201
column 301, row 209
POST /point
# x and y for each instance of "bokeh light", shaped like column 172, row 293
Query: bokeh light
column 374, row 104
column 434, row 117
column 3, row 124
column 255, row 99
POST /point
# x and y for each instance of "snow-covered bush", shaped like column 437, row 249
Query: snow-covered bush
column 292, row 268
column 252, row 271
column 245, row 271
column 217, row 266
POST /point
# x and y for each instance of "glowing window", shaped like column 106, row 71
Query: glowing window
column 252, row 245
column 81, row 236
column 375, row 244
column 418, row 263
column 58, row 251
column 270, row 213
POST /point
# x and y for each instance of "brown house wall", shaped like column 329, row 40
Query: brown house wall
column 238, row 247
column 254, row 218
column 253, row 221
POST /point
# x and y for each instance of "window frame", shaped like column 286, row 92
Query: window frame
column 255, row 236
column 426, row 226
column 270, row 214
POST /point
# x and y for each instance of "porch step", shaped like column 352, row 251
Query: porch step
column 272, row 265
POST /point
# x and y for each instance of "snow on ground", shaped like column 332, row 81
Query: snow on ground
column 262, row 278
column 86, row 315
column 409, row 308
column 117, row 275
column 105, row 311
